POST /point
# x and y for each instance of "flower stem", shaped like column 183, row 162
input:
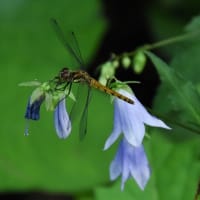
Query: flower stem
column 161, row 43
column 171, row 40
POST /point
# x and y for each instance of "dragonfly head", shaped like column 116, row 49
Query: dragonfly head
column 65, row 74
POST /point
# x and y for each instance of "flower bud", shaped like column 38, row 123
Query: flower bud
column 115, row 63
column 126, row 62
column 139, row 62
column 107, row 71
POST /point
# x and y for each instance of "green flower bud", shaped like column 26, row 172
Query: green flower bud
column 139, row 62
column 126, row 62
column 107, row 71
column 103, row 80
column 115, row 63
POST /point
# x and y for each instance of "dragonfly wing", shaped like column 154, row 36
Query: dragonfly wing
column 84, row 117
column 69, row 41
column 80, row 108
column 77, row 105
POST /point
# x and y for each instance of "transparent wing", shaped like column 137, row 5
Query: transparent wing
column 69, row 41
column 83, row 95
column 78, row 104
column 80, row 108
column 84, row 117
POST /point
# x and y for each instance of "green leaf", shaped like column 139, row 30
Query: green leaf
column 181, row 96
column 194, row 24
column 49, row 104
column 186, row 57
column 30, row 84
column 185, row 61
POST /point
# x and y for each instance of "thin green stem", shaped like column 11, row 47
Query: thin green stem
column 160, row 44
column 171, row 40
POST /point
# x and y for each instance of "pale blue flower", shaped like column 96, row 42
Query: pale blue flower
column 130, row 162
column 61, row 120
column 129, row 120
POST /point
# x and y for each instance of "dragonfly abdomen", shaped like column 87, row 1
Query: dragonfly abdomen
column 97, row 85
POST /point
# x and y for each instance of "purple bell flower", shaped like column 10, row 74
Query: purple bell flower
column 33, row 109
column 130, row 162
column 130, row 120
column 61, row 120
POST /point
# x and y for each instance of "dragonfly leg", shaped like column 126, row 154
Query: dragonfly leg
column 59, row 86
column 70, row 87
column 63, row 87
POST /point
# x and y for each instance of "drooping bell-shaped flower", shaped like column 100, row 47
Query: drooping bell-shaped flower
column 130, row 120
column 61, row 120
column 33, row 109
column 130, row 162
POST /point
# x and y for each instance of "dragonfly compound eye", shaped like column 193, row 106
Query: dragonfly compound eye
column 65, row 73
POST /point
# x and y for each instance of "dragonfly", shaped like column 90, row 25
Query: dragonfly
column 68, row 77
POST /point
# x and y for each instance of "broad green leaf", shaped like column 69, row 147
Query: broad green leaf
column 181, row 97
column 186, row 58
column 194, row 24
column 185, row 61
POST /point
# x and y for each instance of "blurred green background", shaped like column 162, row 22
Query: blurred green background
column 43, row 165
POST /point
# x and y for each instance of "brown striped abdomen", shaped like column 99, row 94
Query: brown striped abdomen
column 97, row 85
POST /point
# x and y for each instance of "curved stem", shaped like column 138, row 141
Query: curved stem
column 161, row 43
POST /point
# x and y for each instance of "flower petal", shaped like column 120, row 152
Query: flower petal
column 140, row 169
column 116, row 129
column 147, row 118
column 33, row 109
column 62, row 121
column 130, row 161
column 132, row 127
column 115, row 166
column 154, row 121
column 125, row 163
column 133, row 117
column 111, row 139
